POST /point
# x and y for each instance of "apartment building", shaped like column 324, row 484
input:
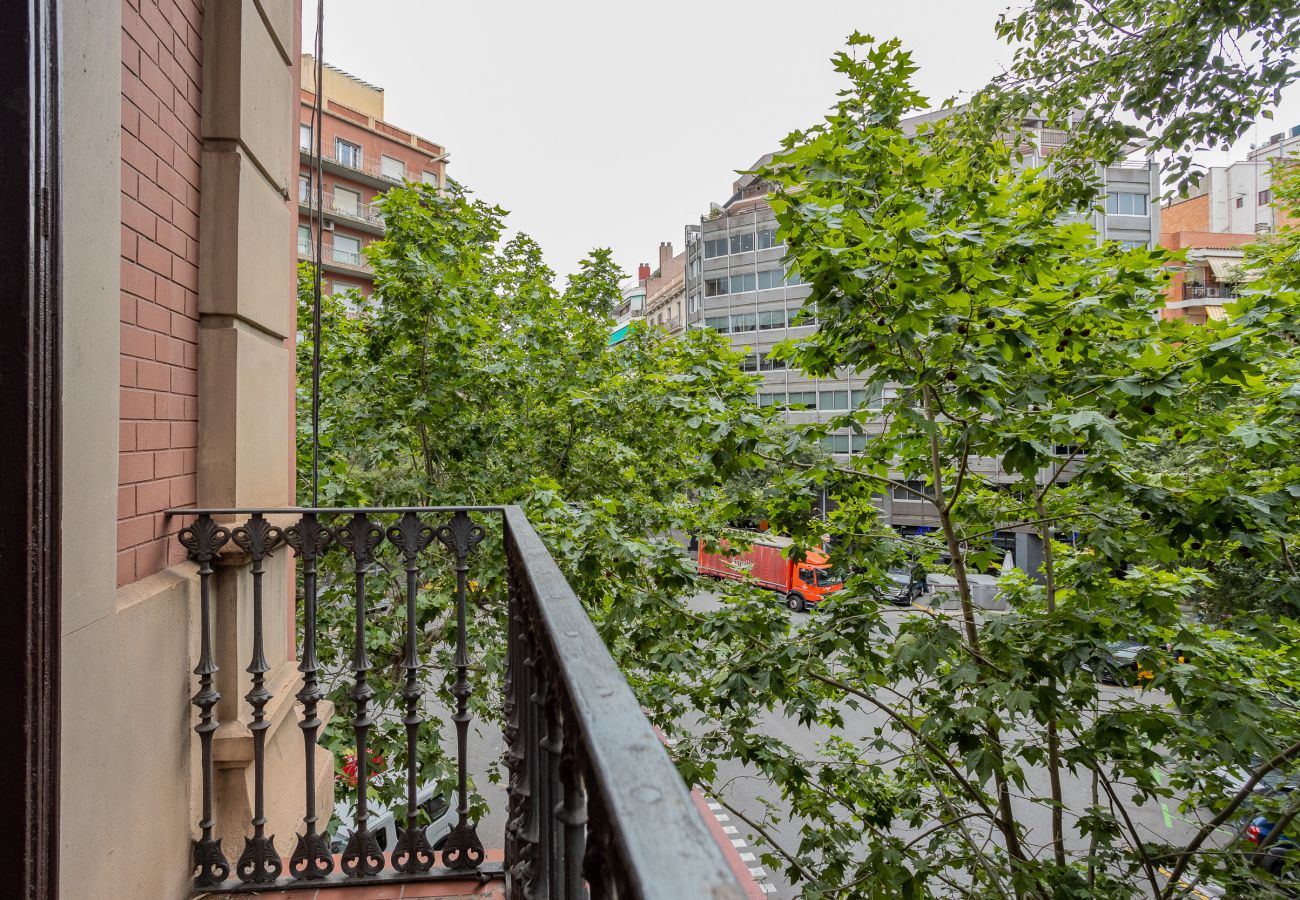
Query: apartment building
column 362, row 156
column 665, row 300
column 736, row 283
column 1230, row 207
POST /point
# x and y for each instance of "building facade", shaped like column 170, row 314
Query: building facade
column 1230, row 208
column 177, row 388
column 362, row 156
column 736, row 283
column 665, row 301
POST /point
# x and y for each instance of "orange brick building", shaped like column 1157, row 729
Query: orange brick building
column 362, row 156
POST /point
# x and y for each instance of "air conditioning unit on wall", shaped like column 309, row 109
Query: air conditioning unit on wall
column 327, row 225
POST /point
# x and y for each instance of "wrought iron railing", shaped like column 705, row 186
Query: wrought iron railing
column 357, row 163
column 595, row 806
column 348, row 206
column 1209, row 291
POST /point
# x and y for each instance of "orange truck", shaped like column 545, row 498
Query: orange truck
column 802, row 584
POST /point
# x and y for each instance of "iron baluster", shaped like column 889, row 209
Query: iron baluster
column 463, row 849
column 203, row 540
column 361, row 856
column 259, row 863
column 413, row 853
column 573, row 814
column 311, row 858
column 549, row 804
column 532, row 856
column 514, row 709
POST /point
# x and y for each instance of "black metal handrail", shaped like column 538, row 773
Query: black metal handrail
column 1209, row 291
column 595, row 806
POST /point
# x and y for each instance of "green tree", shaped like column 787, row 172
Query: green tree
column 1168, row 75
column 1024, row 359
column 470, row 379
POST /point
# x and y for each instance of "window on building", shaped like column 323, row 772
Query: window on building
column 771, row 398
column 1241, row 201
column 741, row 322
column 1265, row 197
column 694, row 303
column 347, row 154
column 304, row 189
column 912, row 492
column 346, row 202
column 836, row 443
column 392, row 168
column 769, row 363
column 719, row 324
column 833, row 400
column 715, row 287
column 1127, row 203
column 749, row 363
column 771, row 318
column 870, row 398
column 742, row 243
column 347, row 250
column 429, row 178
column 1132, row 244
column 767, row 238
column 715, row 247
column 801, row 315
column 802, row 400
column 304, row 240
column 304, row 137
column 695, row 267
column 742, row 283
column 792, row 278
column 859, row 443
column 771, row 278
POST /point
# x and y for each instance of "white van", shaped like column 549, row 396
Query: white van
column 384, row 821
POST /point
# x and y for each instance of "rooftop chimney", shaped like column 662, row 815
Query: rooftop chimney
column 665, row 254
column 643, row 272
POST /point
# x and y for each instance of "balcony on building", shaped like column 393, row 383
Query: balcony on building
column 592, row 805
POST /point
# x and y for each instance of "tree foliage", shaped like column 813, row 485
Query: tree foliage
column 1170, row 76
column 1027, row 376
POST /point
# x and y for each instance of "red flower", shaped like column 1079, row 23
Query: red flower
column 349, row 774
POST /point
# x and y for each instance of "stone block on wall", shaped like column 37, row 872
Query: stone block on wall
column 245, row 268
column 247, row 86
column 244, row 377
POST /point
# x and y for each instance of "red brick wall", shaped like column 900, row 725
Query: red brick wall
column 1186, row 215
column 161, row 63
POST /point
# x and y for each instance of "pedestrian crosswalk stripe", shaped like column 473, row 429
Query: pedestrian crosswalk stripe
column 746, row 857
column 729, row 829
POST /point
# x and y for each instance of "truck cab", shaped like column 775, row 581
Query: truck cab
column 811, row 582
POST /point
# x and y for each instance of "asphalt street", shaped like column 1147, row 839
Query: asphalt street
column 749, row 794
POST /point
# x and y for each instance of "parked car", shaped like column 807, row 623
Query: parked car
column 384, row 822
column 906, row 586
column 1277, row 858
column 1122, row 663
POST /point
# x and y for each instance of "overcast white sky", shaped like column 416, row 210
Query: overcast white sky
column 615, row 124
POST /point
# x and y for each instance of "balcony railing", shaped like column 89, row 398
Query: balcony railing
column 594, row 805
column 358, row 163
column 359, row 210
column 332, row 254
column 1209, row 291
